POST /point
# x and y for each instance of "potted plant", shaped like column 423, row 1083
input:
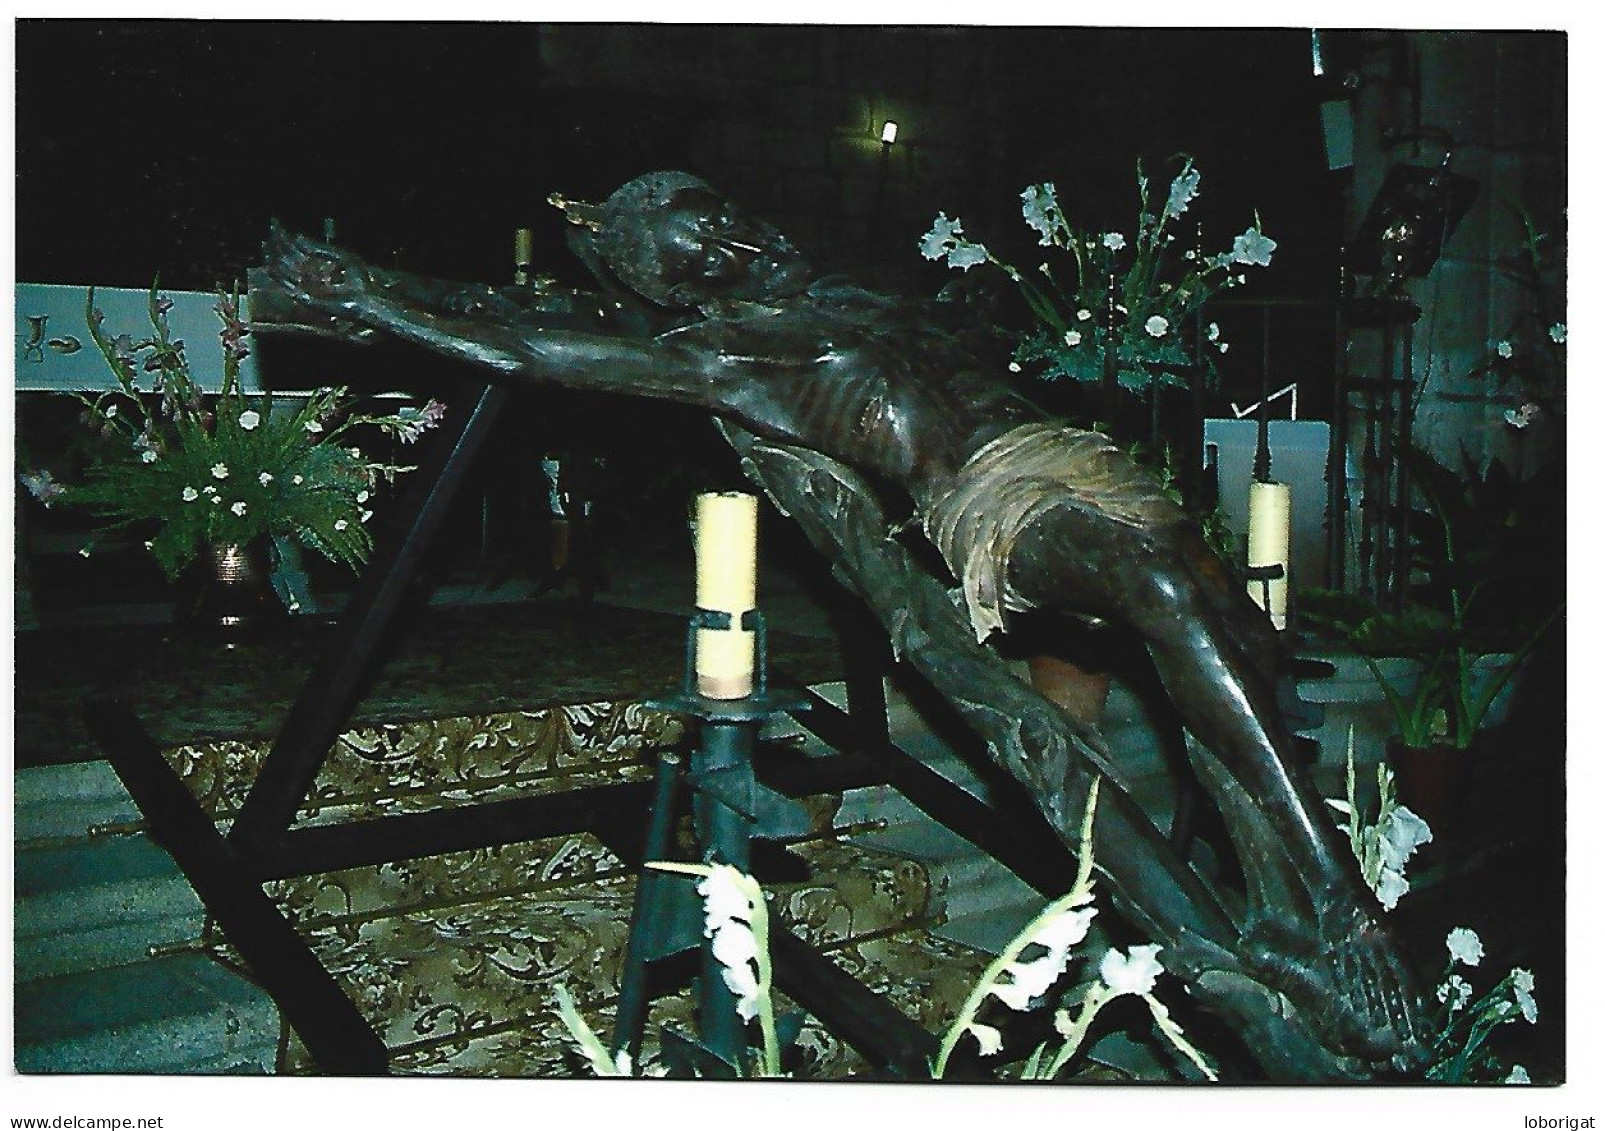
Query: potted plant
column 1456, row 676
column 1094, row 289
column 225, row 482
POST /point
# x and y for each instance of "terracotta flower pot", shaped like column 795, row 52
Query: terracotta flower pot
column 1078, row 690
column 1432, row 781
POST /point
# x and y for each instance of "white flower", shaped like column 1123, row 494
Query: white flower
column 1014, row 367
column 987, row 1037
column 111, row 411
column 1114, row 241
column 314, row 427
column 42, row 486
column 722, row 900
column 734, row 944
column 743, row 982
column 341, row 524
column 239, row 508
column 1505, row 350
column 966, row 255
column 1557, row 333
column 1182, row 191
column 1223, row 346
column 1156, row 326
column 1464, row 946
column 148, row 456
column 1213, row 332
column 1133, row 973
column 1190, row 253
column 1083, row 315
column 1072, row 338
column 1040, row 207
column 1030, row 980
column 727, row 911
column 946, row 239
column 220, row 471
column 298, row 480
column 217, row 500
column 190, row 494
column 249, row 419
column 265, row 478
column 1518, row 1075
column 208, row 490
column 1253, row 247
column 83, row 551
column 366, row 515
column 1455, row 992
column 942, row 237
column 1391, row 887
column 362, row 496
column 1401, row 836
column 1522, row 983
column 1121, row 308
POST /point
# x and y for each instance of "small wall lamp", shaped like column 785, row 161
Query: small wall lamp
column 888, row 132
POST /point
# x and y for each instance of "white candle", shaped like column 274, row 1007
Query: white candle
column 1270, row 528
column 523, row 252
column 726, row 528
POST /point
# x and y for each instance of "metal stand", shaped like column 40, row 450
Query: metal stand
column 1384, row 549
column 730, row 808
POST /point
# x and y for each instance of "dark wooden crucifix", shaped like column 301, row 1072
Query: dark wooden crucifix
column 860, row 415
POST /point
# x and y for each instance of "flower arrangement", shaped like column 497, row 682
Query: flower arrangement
column 230, row 470
column 1463, row 1025
column 736, row 919
column 1460, row 1052
column 1101, row 287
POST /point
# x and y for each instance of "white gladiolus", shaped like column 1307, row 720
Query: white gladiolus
column 1133, row 972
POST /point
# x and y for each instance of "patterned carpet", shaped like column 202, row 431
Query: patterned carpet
column 453, row 958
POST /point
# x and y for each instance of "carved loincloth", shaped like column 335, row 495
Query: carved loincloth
column 1003, row 488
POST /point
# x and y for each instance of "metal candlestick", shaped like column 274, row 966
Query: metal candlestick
column 729, row 809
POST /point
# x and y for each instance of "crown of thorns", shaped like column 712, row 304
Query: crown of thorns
column 623, row 233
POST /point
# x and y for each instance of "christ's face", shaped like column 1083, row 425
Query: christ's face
column 708, row 249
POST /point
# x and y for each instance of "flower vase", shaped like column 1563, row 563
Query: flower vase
column 1431, row 781
column 227, row 595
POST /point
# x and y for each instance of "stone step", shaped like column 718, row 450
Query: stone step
column 181, row 1013
column 62, row 802
column 97, row 903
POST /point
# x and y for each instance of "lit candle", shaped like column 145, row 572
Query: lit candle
column 1270, row 526
column 727, row 581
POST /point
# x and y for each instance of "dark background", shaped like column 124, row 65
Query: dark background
column 167, row 145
